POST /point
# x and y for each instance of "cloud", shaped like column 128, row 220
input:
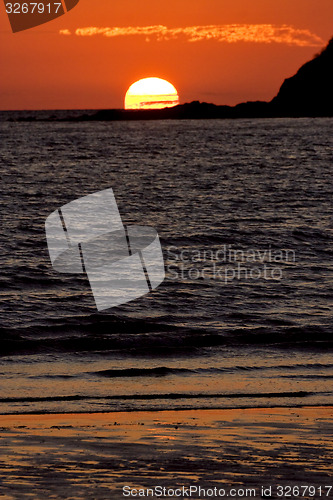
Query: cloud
column 230, row 33
column 64, row 32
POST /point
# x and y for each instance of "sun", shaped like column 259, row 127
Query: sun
column 151, row 93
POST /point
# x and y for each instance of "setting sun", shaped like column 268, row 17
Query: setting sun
column 151, row 93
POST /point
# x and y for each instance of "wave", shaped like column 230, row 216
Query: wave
column 168, row 396
column 143, row 372
column 161, row 371
column 150, row 337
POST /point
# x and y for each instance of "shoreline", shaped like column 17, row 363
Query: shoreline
column 162, row 410
column 96, row 455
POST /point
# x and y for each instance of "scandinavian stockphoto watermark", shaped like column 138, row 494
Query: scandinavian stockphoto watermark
column 228, row 264
column 122, row 262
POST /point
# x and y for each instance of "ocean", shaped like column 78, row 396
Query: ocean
column 243, row 318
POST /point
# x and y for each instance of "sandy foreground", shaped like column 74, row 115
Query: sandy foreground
column 93, row 456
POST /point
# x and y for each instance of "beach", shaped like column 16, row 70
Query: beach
column 95, row 456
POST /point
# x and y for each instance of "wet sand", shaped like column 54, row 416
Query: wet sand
column 93, row 456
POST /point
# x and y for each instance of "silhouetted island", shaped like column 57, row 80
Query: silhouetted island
column 310, row 91
column 306, row 94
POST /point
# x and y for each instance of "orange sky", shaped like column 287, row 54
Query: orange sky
column 221, row 51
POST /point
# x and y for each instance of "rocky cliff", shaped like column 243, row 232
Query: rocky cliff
column 310, row 91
